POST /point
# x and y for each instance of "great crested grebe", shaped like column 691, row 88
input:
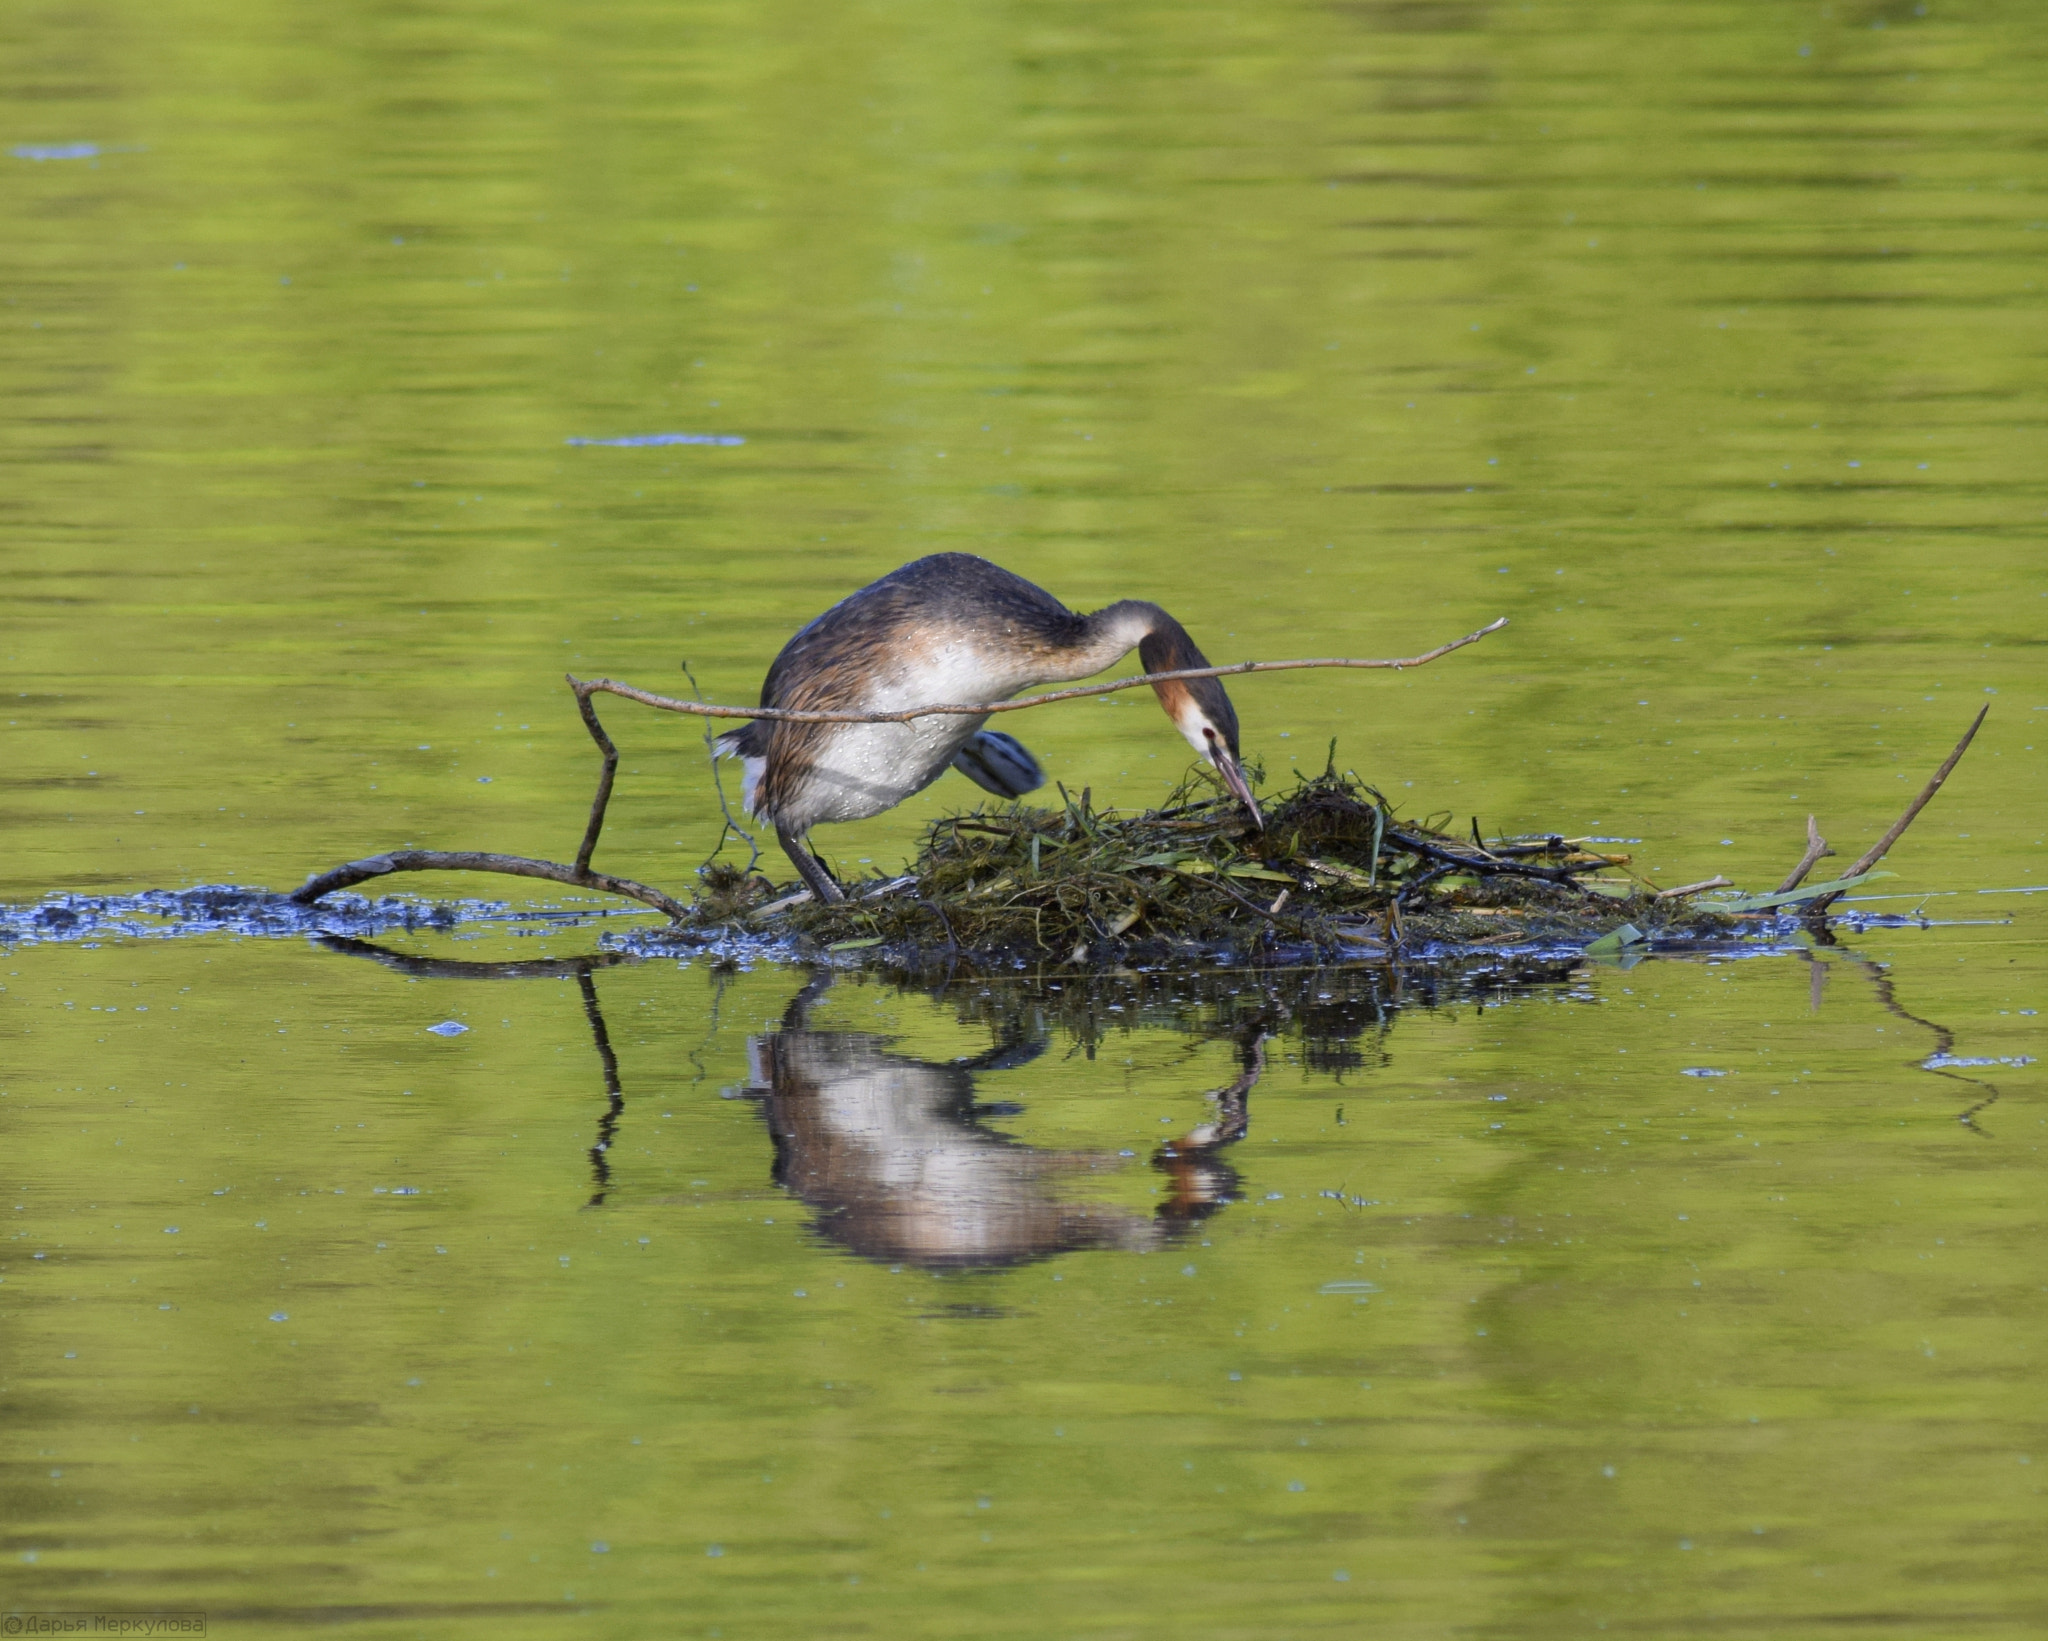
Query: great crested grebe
column 951, row 629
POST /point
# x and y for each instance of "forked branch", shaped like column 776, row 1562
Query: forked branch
column 350, row 873
column 1816, row 851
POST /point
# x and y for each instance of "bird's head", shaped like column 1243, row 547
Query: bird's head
column 1202, row 712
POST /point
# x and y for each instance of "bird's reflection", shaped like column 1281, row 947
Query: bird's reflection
column 895, row 1157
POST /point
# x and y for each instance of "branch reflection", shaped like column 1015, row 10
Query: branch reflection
column 578, row 968
column 1942, row 1059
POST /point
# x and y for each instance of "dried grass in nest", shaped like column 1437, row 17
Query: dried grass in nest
column 1333, row 872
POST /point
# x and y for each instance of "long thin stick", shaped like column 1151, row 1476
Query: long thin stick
column 1876, row 852
column 586, row 687
column 464, row 860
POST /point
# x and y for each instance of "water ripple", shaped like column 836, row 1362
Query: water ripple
column 635, row 441
column 40, row 151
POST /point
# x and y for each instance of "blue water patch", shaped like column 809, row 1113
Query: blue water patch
column 636, row 441
column 40, row 151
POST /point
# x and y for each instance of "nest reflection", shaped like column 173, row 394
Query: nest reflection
column 898, row 1158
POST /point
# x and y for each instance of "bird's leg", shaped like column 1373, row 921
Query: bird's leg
column 811, row 869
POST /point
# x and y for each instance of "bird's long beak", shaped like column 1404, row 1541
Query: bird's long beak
column 1240, row 788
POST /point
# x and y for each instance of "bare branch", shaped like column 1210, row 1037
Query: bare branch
column 704, row 709
column 467, row 860
column 1816, row 850
column 1876, row 852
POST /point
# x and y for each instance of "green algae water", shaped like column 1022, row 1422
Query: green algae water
column 366, row 370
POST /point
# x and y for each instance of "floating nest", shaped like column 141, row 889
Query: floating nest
column 1335, row 873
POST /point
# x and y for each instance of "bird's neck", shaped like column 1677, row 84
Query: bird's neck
column 1109, row 635
column 1163, row 645
column 1167, row 647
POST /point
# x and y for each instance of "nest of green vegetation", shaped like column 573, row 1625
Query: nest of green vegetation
column 1334, row 873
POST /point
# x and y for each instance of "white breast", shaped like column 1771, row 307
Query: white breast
column 861, row 770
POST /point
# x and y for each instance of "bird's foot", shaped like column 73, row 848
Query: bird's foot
column 811, row 870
